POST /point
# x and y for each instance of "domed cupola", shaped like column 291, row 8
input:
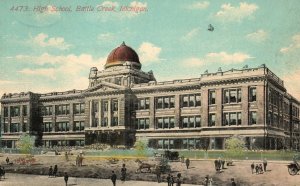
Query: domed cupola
column 121, row 55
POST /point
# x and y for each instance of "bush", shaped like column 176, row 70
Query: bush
column 234, row 147
column 25, row 143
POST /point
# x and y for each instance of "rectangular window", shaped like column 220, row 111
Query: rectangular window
column 104, row 122
column 225, row 119
column 165, row 102
column 62, row 126
column 191, row 121
column 252, row 94
column 46, row 111
column 104, row 105
column 5, row 111
column 192, row 100
column 142, row 123
column 239, row 116
column 232, row 95
column 47, row 127
column 79, row 108
column 212, row 120
column 24, row 110
column 165, row 123
column 15, row 111
column 143, row 104
column 24, row 127
column 115, row 105
column 212, row 97
column 62, row 109
column 253, row 119
column 79, row 126
column 232, row 118
column 114, row 121
column 14, row 127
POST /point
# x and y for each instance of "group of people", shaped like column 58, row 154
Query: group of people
column 259, row 168
column 79, row 160
column 219, row 164
column 52, row 171
column 123, row 175
column 171, row 180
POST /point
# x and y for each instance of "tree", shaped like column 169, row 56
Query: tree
column 25, row 143
column 234, row 146
column 141, row 146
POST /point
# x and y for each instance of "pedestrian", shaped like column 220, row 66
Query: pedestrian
column 66, row 178
column 252, row 167
column 210, row 181
column 77, row 160
column 113, row 178
column 223, row 163
column 50, row 172
column 158, row 174
column 55, row 170
column 216, row 165
column 123, row 173
column 187, row 163
column 178, row 180
column 7, row 160
column 206, row 180
column 265, row 163
column 256, row 169
column 233, row 182
column 169, row 179
column 261, row 169
column 172, row 180
column 66, row 156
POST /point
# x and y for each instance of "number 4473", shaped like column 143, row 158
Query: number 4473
column 19, row 8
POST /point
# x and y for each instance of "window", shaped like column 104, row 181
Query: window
column 232, row 96
column 47, row 127
column 253, row 119
column 79, row 108
column 5, row 111
column 143, row 104
column 114, row 121
column 62, row 126
column 252, row 94
column 14, row 127
column 104, row 106
column 165, row 123
column 193, row 100
column 24, row 127
column 165, row 102
column 232, row 118
column 95, row 106
column 191, row 121
column 15, row 111
column 46, row 110
column 79, row 126
column 142, row 123
column 114, row 105
column 24, row 110
column 104, row 122
column 212, row 97
column 62, row 109
column 212, row 120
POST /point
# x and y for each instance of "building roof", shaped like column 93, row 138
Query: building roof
column 120, row 55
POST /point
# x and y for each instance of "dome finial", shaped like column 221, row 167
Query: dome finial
column 123, row 43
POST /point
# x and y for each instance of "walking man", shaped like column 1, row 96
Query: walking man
column 169, row 179
column 265, row 163
column 113, row 178
column 187, row 163
column 7, row 160
column 158, row 174
column 50, row 172
column 123, row 173
column 66, row 178
column 55, row 170
column 178, row 180
column 252, row 167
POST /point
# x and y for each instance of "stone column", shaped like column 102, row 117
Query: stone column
column 2, row 123
column 9, row 120
column 219, row 107
column 71, row 117
column 152, row 113
column 260, row 104
column 177, row 111
column 99, row 113
column 121, row 111
column 109, row 113
column 53, row 118
column 90, row 112
column 245, row 105
column 204, row 105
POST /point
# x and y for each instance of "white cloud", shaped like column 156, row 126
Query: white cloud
column 44, row 40
column 190, row 35
column 258, row 36
column 106, row 37
column 47, row 72
column 231, row 13
column 294, row 45
column 199, row 5
column 221, row 57
column 289, row 82
column 148, row 52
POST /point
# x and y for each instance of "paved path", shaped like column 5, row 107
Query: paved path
column 36, row 180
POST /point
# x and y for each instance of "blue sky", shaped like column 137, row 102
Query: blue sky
column 54, row 50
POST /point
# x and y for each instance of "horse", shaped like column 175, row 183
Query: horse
column 142, row 166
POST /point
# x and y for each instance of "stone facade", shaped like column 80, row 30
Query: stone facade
column 123, row 104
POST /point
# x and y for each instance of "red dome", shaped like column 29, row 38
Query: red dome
column 120, row 55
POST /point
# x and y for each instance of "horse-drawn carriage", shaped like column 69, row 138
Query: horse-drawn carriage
column 171, row 155
column 294, row 167
column 162, row 166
